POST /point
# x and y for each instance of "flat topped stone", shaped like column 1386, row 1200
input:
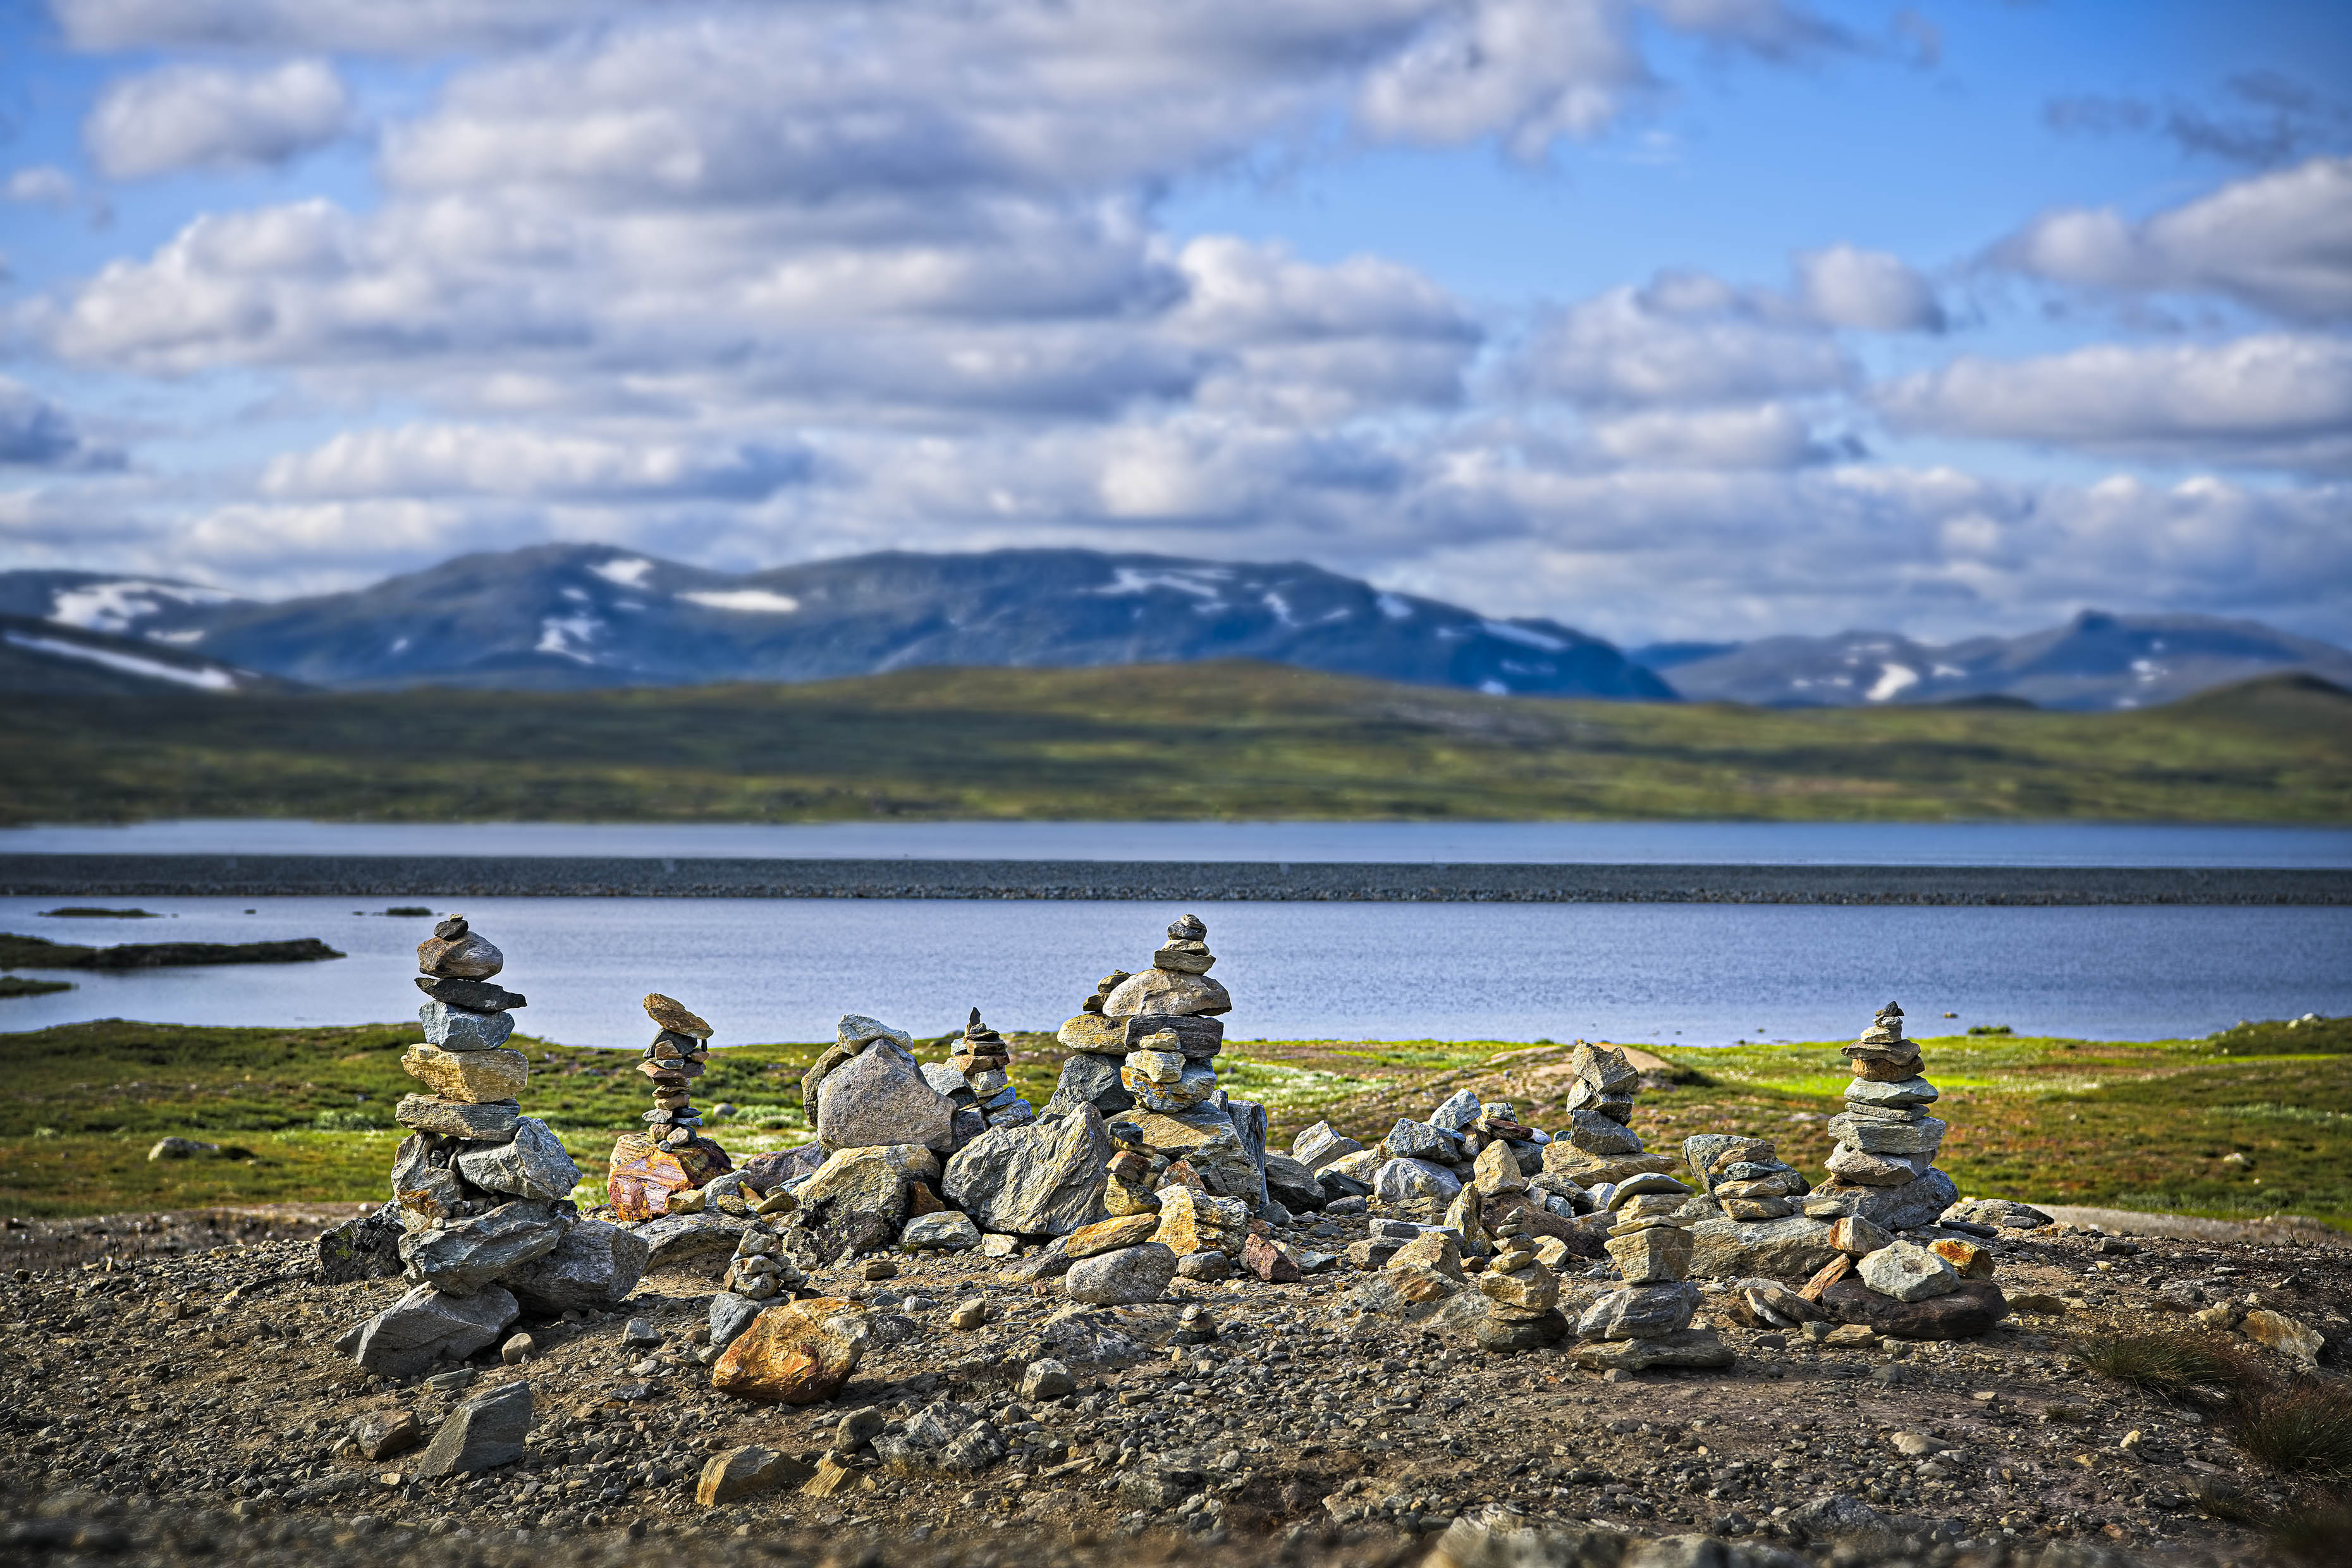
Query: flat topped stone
column 478, row 995
column 671, row 1014
column 492, row 1122
column 857, row 1031
column 1166, row 991
column 1903, row 1094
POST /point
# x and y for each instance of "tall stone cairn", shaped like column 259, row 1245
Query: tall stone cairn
column 1600, row 1146
column 975, row 1079
column 671, row 1154
column 1883, row 1168
column 483, row 1193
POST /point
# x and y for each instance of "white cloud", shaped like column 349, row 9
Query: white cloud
column 2280, row 241
column 1529, row 71
column 36, row 433
column 410, row 27
column 1769, row 435
column 2278, row 400
column 210, row 117
column 447, row 460
column 42, row 185
column 1844, row 286
column 1685, row 339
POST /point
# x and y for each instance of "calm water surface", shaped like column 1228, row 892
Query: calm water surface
column 785, row 968
column 1545, row 842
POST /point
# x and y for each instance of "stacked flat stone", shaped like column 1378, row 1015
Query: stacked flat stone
column 671, row 1155
column 1749, row 1181
column 1649, row 1241
column 974, row 1079
column 1600, row 1148
column 481, row 1191
column 1166, row 1016
column 1090, row 1075
column 1884, row 1166
column 1522, row 1296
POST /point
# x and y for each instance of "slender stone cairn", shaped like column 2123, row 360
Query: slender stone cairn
column 1167, row 1016
column 1600, row 1147
column 1090, row 1075
column 671, row 1154
column 483, row 1193
column 975, row 1079
column 1522, row 1296
column 1884, row 1166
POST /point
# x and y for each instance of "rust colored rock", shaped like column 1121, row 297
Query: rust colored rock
column 796, row 1353
column 1972, row 1261
column 1832, row 1272
column 747, row 1471
column 1110, row 1235
column 642, row 1173
column 1269, row 1262
column 921, row 1200
column 671, row 1014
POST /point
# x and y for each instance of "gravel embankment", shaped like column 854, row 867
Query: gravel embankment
column 263, row 876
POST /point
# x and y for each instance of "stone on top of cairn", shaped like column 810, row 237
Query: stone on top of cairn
column 671, row 1155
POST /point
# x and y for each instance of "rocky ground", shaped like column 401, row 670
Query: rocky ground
column 161, row 1407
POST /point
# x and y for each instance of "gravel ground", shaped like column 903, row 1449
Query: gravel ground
column 263, row 876
column 171, row 1406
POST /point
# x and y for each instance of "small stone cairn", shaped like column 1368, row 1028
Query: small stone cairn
column 975, row 1079
column 1600, row 1147
column 482, row 1192
column 671, row 1155
column 1745, row 1176
column 1522, row 1295
column 1884, row 1166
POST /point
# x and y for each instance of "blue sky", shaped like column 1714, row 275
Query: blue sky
column 1665, row 318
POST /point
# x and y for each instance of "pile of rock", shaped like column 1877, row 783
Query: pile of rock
column 1522, row 1296
column 975, row 1082
column 1883, row 1168
column 1600, row 1146
column 867, row 1092
column 1745, row 1176
column 1647, row 1321
column 1090, row 1076
column 671, row 1155
column 482, row 1193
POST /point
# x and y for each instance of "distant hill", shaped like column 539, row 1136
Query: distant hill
column 41, row 655
column 2095, row 661
column 569, row 616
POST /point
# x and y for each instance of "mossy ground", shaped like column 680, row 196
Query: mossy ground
column 305, row 1115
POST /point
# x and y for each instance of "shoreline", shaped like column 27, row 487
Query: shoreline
column 295, row 876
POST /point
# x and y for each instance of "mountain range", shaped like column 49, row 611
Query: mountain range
column 568, row 616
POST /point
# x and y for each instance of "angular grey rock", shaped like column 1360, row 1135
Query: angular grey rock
column 595, row 1266
column 1405, row 1180
column 1041, row 1180
column 482, row 1433
column 763, row 1174
column 1699, row 1151
column 1089, row 1081
column 1460, row 1109
column 946, row 1231
column 532, row 1164
column 1289, row 1183
column 857, row 1031
column 1410, row 1140
column 1904, row 1094
column 969, row 1122
column 426, row 1326
column 1320, row 1144
column 680, row 1239
column 1908, row 1272
column 1872, row 1136
column 1905, row 1206
column 1640, row 1312
column 367, row 1248
column 465, row 1255
column 1787, row 1249
column 729, row 1315
column 1248, row 1118
column 1199, row 1038
column 463, row 1029
column 945, row 1079
column 1597, row 1134
column 1850, row 1164
column 879, row 1097
column 491, row 1123
column 1121, row 1278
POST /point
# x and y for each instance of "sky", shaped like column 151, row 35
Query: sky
column 1667, row 319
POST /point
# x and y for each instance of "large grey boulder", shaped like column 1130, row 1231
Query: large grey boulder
column 462, row 1258
column 1089, row 1081
column 426, row 1326
column 1045, row 1179
column 703, row 1240
column 1410, row 1140
column 1460, row 1109
column 1320, row 1144
column 367, row 1248
column 532, row 1165
column 1640, row 1312
column 482, row 1433
column 858, row 1197
column 1289, row 1183
column 597, row 1264
column 1405, row 1180
column 1787, row 1249
column 1123, row 1278
column 879, row 1097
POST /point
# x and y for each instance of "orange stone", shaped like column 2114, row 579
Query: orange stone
column 1110, row 1235
column 1973, row 1262
column 642, row 1173
column 795, row 1353
column 921, row 1200
column 1835, row 1270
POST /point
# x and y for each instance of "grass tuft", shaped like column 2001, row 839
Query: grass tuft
column 2304, row 1428
column 2173, row 1366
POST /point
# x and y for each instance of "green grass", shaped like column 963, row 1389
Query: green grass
column 1224, row 740
column 2145, row 1126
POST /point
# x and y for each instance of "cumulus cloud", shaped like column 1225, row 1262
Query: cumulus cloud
column 2279, row 400
column 1687, row 337
column 2281, row 242
column 1845, row 287
column 443, row 460
column 1769, row 435
column 42, row 185
column 36, row 433
column 211, row 117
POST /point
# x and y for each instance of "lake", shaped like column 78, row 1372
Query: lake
column 783, row 969
column 1414, row 843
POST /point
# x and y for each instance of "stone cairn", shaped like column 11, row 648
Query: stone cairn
column 1522, row 1295
column 671, row 1155
column 974, row 1079
column 1884, row 1166
column 483, row 1192
column 1745, row 1176
column 1600, row 1147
